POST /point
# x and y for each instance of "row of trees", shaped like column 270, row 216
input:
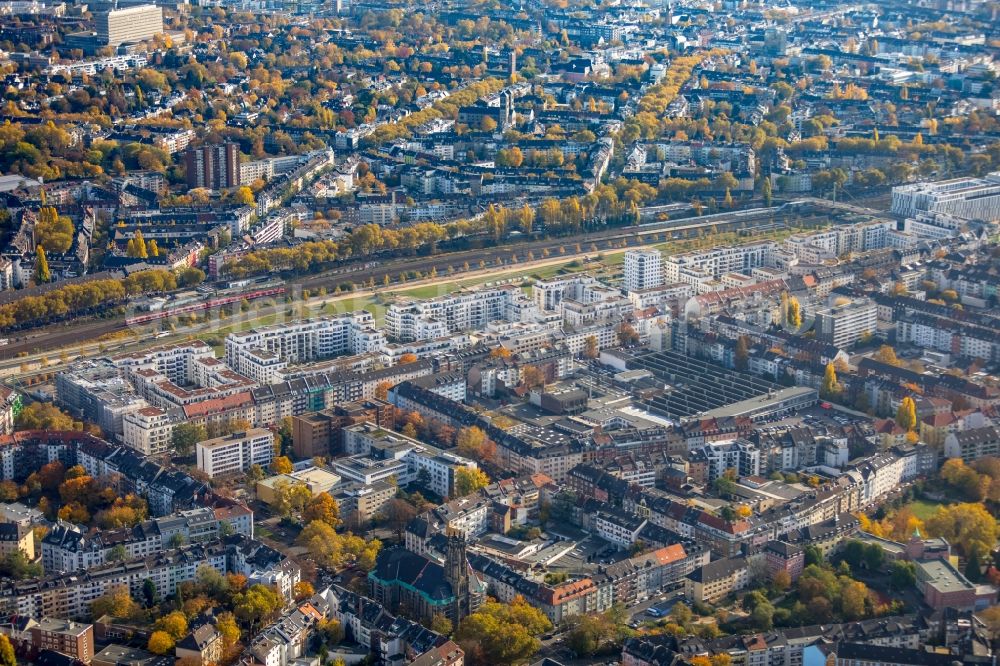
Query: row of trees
column 77, row 299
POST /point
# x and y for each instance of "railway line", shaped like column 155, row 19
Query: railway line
column 803, row 212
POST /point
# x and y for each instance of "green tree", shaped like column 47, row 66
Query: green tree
column 186, row 435
column 903, row 574
column 42, row 273
column 150, row 593
column 766, row 191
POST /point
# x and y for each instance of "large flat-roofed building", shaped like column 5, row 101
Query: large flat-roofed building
column 215, row 167
column 235, row 453
column 75, row 639
column 843, row 325
column 131, row 24
column 967, row 198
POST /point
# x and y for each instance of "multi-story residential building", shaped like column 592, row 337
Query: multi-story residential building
column 464, row 311
column 740, row 455
column 235, row 453
column 75, row 639
column 843, row 325
column 643, row 269
column 263, row 352
column 68, row 548
column 128, row 24
column 149, row 431
column 968, row 198
column 70, row 595
column 971, row 445
column 321, row 433
column 377, row 450
column 716, row 262
column 214, row 167
column 717, row 579
column 14, row 539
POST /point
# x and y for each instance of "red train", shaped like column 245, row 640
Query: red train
column 206, row 305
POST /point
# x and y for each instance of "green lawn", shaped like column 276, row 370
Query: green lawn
column 924, row 509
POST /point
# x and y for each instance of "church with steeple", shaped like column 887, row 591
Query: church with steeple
column 422, row 586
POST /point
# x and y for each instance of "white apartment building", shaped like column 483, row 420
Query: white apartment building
column 663, row 295
column 263, row 352
column 967, row 198
column 129, row 24
column 149, row 431
column 740, row 456
column 843, row 325
column 716, row 262
column 379, row 453
column 467, row 310
column 548, row 294
column 643, row 269
column 235, row 453
column 176, row 362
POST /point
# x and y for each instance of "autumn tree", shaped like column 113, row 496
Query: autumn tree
column 7, row 655
column 322, row 507
column 468, row 480
column 830, row 388
column 794, row 313
column 906, row 414
column 590, row 347
column 532, row 377
column 472, row 442
column 971, row 527
column 303, row 590
column 117, row 602
column 281, row 465
column 886, row 354
column 175, row 624
column 502, row 634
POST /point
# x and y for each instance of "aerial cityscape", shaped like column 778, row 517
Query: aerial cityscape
column 465, row 333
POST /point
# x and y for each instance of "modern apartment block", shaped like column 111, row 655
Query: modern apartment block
column 236, row 453
column 214, row 167
column 968, row 198
column 843, row 325
column 129, row 24
column 439, row 317
column 643, row 269
column 149, row 431
column 261, row 353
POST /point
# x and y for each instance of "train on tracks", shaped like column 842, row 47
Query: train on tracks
column 208, row 303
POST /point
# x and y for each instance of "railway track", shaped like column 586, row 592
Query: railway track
column 56, row 336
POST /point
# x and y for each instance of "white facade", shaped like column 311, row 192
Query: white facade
column 967, row 198
column 439, row 317
column 261, row 353
column 843, row 325
column 643, row 269
column 149, row 431
column 234, row 454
